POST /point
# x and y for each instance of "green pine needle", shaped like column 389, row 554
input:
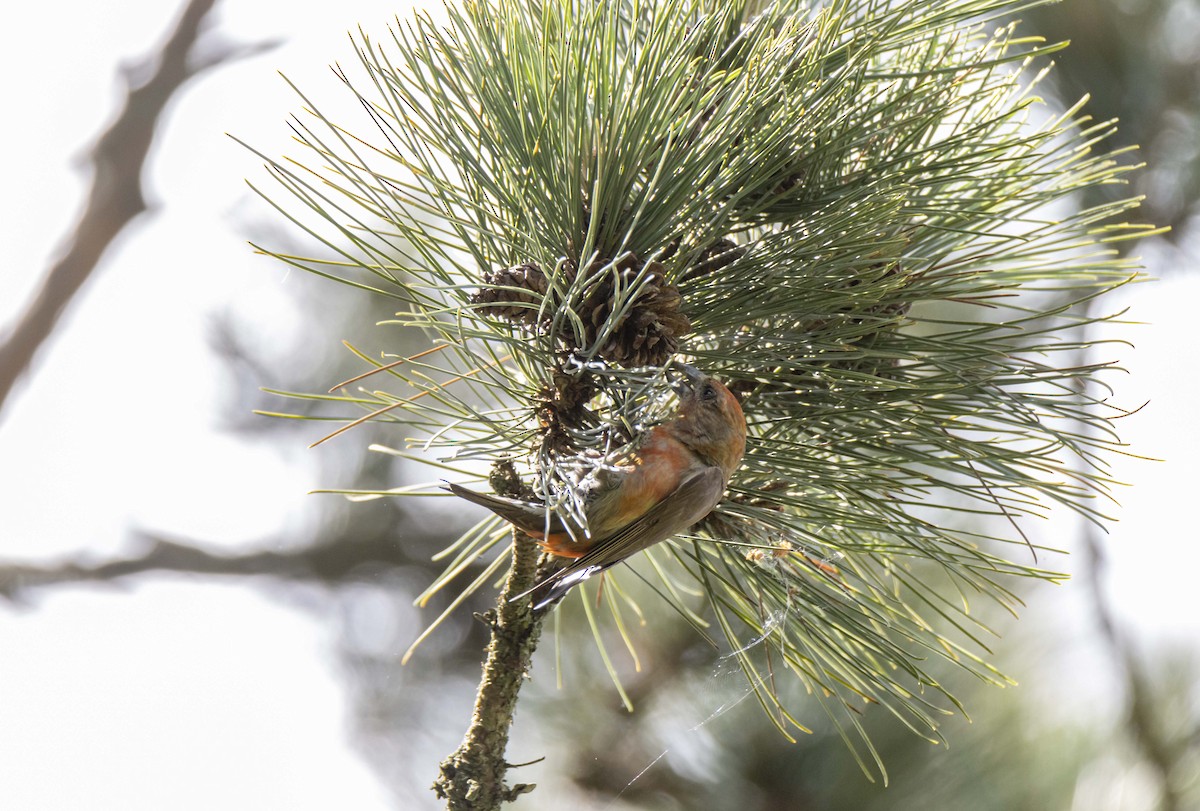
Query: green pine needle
column 858, row 214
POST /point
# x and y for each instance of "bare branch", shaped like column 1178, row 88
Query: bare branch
column 116, row 197
column 325, row 562
column 1142, row 718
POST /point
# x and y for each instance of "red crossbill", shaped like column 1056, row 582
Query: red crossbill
column 671, row 479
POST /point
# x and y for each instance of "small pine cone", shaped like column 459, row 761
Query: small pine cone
column 717, row 256
column 505, row 303
column 571, row 392
column 563, row 404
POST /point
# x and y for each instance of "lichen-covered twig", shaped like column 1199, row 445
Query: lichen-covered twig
column 472, row 778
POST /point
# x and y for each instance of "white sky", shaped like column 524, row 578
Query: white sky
column 143, row 697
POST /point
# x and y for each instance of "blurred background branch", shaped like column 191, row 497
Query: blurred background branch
column 116, row 198
column 1139, row 62
column 332, row 561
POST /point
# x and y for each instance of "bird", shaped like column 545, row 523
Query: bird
column 667, row 482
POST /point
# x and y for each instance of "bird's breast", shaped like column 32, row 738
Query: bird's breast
column 648, row 475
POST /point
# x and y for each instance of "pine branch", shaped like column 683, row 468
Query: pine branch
column 843, row 210
column 472, row 778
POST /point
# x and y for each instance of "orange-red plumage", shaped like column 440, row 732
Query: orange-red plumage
column 671, row 480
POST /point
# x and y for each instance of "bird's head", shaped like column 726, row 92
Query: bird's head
column 710, row 419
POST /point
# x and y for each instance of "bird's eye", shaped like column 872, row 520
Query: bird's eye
column 708, row 392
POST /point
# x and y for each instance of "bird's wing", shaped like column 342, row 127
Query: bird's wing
column 527, row 516
column 693, row 499
column 698, row 492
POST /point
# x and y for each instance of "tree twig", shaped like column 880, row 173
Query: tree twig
column 115, row 198
column 1141, row 704
column 324, row 562
column 472, row 778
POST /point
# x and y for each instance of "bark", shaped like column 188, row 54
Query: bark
column 472, row 778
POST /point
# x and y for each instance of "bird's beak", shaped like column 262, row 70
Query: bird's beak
column 693, row 375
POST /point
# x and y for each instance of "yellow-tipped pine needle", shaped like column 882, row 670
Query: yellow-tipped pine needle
column 408, row 400
column 387, row 366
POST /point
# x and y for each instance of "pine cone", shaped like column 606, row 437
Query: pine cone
column 648, row 333
column 507, row 303
column 717, row 256
column 564, row 404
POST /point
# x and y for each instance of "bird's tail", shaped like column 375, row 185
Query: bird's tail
column 552, row 589
column 536, row 520
column 527, row 516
